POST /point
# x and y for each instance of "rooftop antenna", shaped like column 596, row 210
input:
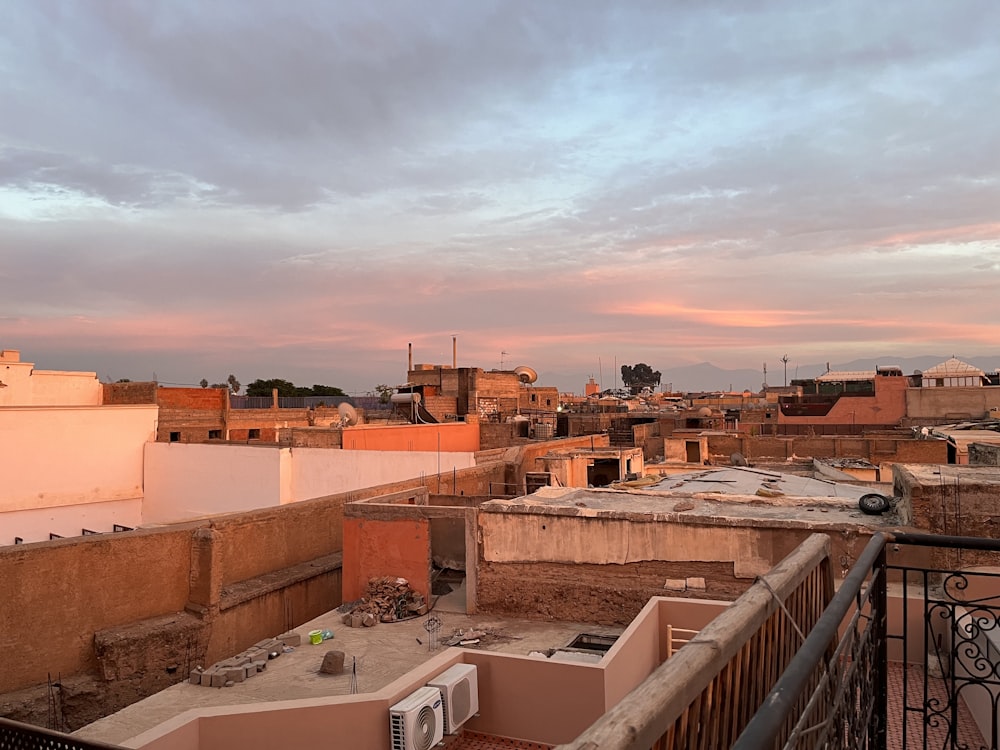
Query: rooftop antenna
column 784, row 360
column 765, row 374
column 502, row 355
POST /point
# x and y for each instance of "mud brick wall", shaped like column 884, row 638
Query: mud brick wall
column 128, row 393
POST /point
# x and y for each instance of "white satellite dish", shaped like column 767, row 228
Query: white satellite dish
column 348, row 415
column 525, row 374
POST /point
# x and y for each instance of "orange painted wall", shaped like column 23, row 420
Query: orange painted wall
column 400, row 548
column 458, row 437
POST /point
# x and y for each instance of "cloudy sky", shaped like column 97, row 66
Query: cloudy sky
column 298, row 190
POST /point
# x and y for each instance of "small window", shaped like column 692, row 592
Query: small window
column 215, row 434
column 253, row 434
column 534, row 396
column 175, row 437
column 548, row 402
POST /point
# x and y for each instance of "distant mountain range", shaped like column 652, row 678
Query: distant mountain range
column 707, row 377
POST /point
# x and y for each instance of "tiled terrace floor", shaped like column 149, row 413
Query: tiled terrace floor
column 476, row 741
column 933, row 734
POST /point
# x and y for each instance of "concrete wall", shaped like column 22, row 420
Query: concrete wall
column 604, row 568
column 878, row 450
column 36, row 524
column 110, row 613
column 185, row 481
column 927, row 405
column 66, row 458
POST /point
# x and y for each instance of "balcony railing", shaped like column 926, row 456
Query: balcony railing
column 17, row 736
column 842, row 690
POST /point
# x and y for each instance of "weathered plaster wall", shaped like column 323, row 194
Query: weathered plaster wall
column 397, row 548
column 112, row 613
column 605, row 568
column 935, row 404
column 877, row 450
column 952, row 500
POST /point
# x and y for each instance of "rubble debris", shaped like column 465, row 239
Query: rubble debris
column 387, row 600
column 478, row 637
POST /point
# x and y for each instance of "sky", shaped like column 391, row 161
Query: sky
column 300, row 190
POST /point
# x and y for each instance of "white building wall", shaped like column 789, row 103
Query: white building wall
column 25, row 386
column 193, row 480
column 62, row 459
column 69, row 520
column 321, row 471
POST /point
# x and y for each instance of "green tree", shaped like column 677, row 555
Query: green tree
column 234, row 384
column 287, row 388
column 640, row 376
column 384, row 393
column 203, row 383
column 324, row 390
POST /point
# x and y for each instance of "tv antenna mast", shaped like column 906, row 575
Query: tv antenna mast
column 784, row 360
column 502, row 355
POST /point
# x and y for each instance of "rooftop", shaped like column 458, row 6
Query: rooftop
column 723, row 496
column 384, row 653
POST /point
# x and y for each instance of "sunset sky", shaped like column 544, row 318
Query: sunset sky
column 297, row 190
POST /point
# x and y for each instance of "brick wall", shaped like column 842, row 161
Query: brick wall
column 128, row 393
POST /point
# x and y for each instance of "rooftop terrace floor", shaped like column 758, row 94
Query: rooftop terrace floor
column 384, row 653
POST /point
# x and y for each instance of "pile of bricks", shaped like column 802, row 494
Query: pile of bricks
column 245, row 665
column 387, row 600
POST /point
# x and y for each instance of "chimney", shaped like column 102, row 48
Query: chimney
column 409, row 366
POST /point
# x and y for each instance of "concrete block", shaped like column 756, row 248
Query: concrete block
column 261, row 665
column 290, row 639
column 697, row 584
column 249, row 670
column 236, row 674
column 218, row 679
column 195, row 678
column 675, row 584
column 206, row 677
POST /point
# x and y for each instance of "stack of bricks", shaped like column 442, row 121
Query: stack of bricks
column 387, row 600
column 245, row 665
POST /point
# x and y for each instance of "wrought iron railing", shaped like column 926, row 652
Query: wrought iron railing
column 940, row 687
column 17, row 736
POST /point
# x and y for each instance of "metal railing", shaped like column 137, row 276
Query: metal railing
column 944, row 631
column 17, row 736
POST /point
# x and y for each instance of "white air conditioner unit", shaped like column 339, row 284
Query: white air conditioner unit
column 459, row 687
column 417, row 721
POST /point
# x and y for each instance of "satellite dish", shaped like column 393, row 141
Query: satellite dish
column 525, row 374
column 704, row 412
column 348, row 415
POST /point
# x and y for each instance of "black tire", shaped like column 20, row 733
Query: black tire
column 874, row 504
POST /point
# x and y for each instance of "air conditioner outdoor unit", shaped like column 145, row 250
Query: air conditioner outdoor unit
column 417, row 721
column 459, row 687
